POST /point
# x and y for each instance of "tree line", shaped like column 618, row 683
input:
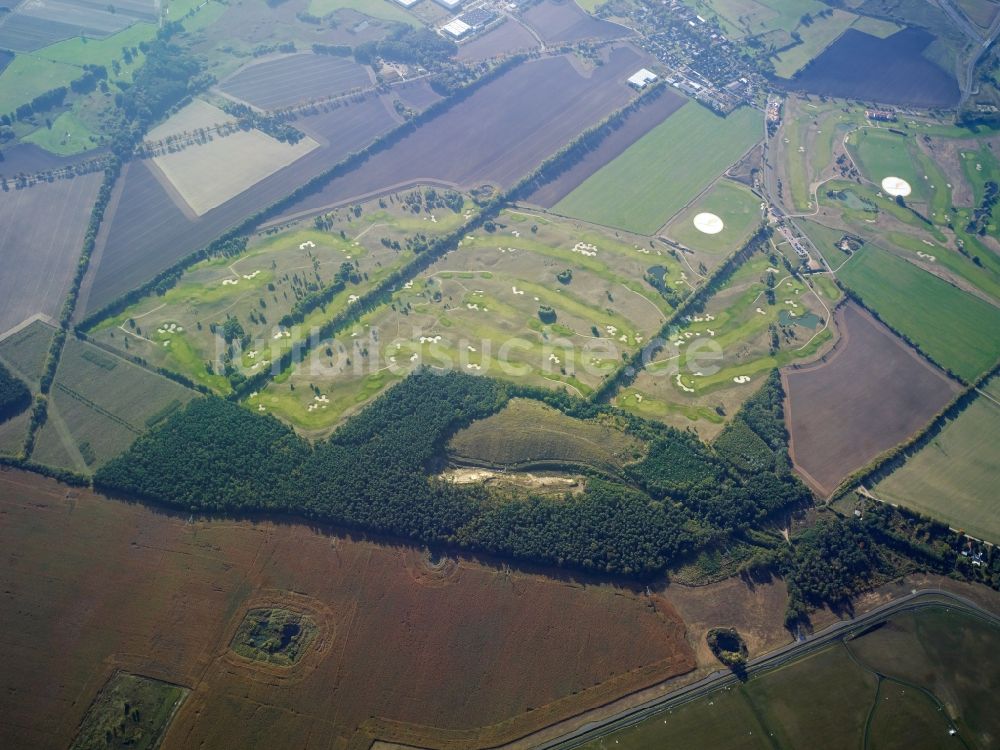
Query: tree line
column 374, row 473
column 14, row 395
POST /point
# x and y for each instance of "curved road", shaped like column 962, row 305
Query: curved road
column 838, row 631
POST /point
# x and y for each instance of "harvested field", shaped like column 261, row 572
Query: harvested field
column 409, row 648
column 505, row 39
column 99, row 404
column 635, row 127
column 416, row 94
column 29, row 158
column 41, row 237
column 207, row 175
column 869, row 394
column 953, row 477
column 558, row 21
column 529, row 433
column 197, row 115
column 280, row 83
column 144, row 230
column 496, row 135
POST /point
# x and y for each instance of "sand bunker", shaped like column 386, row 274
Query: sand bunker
column 708, row 223
column 895, row 186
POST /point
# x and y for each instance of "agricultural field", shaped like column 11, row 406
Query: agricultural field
column 527, row 434
column 207, row 175
column 665, row 170
column 99, row 404
column 980, row 12
column 499, row 133
column 561, row 22
column 517, row 650
column 538, row 301
column 41, row 238
column 638, row 123
column 954, row 329
column 953, row 477
column 144, row 215
column 37, row 25
column 740, row 213
column 509, row 37
column 130, row 712
column 816, row 37
column 866, row 396
column 185, row 329
column 897, row 682
column 23, row 353
column 720, row 356
column 285, row 81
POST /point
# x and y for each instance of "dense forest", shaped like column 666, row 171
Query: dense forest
column 14, row 395
column 375, row 473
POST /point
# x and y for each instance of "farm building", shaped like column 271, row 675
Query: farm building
column 450, row 4
column 641, row 78
column 456, row 28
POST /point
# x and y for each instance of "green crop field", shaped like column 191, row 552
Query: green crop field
column 953, row 477
column 958, row 331
column 664, row 170
column 689, row 385
column 739, row 210
column 528, row 432
column 24, row 353
column 930, row 670
column 481, row 309
column 816, row 37
column 99, row 404
column 184, row 330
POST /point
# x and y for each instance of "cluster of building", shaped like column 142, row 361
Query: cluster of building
column 702, row 62
column 468, row 23
column 881, row 115
column 772, row 113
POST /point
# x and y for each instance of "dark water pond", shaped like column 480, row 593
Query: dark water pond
column 888, row 71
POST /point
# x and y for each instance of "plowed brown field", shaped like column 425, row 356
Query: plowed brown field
column 454, row 654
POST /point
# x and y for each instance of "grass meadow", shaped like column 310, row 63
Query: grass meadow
column 739, row 210
column 953, row 477
column 664, row 170
column 956, row 330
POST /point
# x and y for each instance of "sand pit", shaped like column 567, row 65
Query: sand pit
column 896, row 186
column 708, row 223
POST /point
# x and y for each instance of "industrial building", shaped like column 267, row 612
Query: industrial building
column 642, row 78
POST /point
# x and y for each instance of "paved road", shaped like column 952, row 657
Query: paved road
column 981, row 43
column 839, row 631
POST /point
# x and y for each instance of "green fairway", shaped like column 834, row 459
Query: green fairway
column 958, row 331
column 732, row 202
column 664, row 170
column 953, row 478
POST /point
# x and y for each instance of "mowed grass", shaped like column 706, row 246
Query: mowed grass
column 958, row 331
column 28, row 76
column 479, row 310
column 823, row 699
column 529, row 432
column 664, row 170
column 174, row 330
column 719, row 357
column 68, row 135
column 99, row 404
column 739, row 210
column 953, row 478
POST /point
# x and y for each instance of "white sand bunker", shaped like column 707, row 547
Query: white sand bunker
column 708, row 223
column 896, row 186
